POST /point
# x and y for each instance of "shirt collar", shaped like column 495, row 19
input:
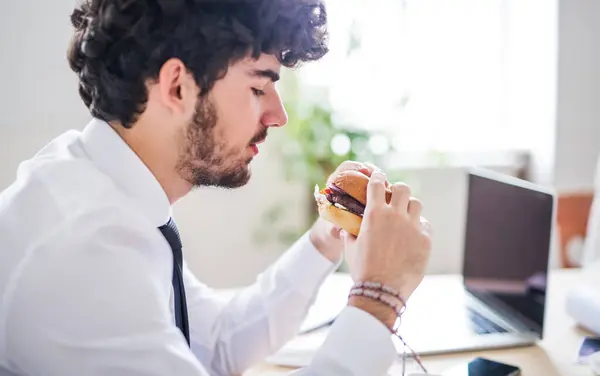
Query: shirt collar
column 114, row 157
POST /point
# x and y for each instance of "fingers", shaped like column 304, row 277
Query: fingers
column 348, row 238
column 376, row 190
column 426, row 227
column 372, row 168
column 400, row 196
column 415, row 208
column 335, row 232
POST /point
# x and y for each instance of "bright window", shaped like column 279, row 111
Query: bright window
column 433, row 72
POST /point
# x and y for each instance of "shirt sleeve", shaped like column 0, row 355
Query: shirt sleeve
column 230, row 336
column 90, row 302
column 358, row 344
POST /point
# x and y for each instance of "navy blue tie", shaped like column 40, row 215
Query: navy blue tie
column 171, row 233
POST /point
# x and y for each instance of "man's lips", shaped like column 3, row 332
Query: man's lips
column 254, row 146
column 258, row 139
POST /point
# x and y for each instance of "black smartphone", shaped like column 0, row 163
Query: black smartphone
column 483, row 367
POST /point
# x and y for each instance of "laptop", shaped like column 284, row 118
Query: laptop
column 500, row 300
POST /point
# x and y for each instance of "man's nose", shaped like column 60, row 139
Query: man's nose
column 275, row 114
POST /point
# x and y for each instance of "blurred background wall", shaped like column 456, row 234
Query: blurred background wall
column 422, row 88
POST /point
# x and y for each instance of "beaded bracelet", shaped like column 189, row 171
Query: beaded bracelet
column 382, row 288
column 380, row 292
column 382, row 297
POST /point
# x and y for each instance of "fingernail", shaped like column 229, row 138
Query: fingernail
column 362, row 167
column 378, row 176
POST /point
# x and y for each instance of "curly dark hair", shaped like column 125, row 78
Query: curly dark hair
column 121, row 44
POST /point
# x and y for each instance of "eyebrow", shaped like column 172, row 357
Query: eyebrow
column 268, row 73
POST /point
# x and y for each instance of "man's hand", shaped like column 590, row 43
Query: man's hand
column 393, row 245
column 324, row 235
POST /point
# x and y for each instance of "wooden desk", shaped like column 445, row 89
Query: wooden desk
column 551, row 357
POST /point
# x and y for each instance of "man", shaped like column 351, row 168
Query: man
column 181, row 93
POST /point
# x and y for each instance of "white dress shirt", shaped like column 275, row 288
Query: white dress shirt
column 85, row 280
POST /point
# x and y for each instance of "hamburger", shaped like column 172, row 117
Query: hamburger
column 343, row 201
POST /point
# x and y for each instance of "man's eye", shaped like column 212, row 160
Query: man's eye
column 258, row 92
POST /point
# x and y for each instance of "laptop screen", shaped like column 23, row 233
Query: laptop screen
column 507, row 245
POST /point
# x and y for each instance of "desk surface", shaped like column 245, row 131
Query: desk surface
column 551, row 357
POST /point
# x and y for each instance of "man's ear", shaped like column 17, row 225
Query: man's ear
column 177, row 86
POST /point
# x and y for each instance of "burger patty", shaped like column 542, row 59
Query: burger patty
column 341, row 198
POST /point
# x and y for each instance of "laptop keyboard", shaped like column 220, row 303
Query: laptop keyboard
column 482, row 325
